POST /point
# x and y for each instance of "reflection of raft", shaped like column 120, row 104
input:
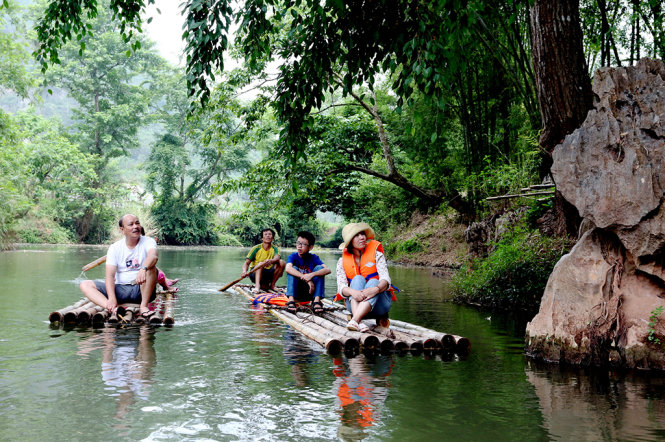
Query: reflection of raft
column 329, row 330
column 86, row 313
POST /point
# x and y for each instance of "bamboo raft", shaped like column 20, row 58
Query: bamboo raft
column 329, row 330
column 86, row 313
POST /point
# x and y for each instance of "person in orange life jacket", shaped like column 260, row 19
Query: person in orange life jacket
column 305, row 275
column 264, row 278
column 362, row 275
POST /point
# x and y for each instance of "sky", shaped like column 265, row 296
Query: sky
column 166, row 30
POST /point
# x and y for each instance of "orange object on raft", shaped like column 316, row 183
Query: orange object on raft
column 274, row 299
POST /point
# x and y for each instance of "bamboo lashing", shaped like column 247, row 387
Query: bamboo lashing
column 93, row 264
column 256, row 267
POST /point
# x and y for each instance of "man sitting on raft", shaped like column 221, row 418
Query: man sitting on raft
column 131, row 272
column 265, row 277
column 305, row 275
column 362, row 275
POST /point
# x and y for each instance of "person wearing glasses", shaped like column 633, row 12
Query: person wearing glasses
column 305, row 275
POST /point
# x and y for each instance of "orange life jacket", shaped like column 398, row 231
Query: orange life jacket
column 367, row 265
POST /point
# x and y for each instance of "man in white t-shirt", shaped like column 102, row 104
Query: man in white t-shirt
column 131, row 270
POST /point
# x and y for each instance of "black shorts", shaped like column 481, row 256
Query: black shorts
column 266, row 276
column 124, row 293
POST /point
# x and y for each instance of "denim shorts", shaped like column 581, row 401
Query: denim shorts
column 124, row 293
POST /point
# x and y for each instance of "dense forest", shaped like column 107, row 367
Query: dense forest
column 358, row 110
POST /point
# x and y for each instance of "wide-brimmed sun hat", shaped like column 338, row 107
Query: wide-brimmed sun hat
column 352, row 229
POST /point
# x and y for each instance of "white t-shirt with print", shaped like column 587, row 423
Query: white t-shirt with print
column 128, row 261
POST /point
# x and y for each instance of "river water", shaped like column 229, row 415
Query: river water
column 226, row 371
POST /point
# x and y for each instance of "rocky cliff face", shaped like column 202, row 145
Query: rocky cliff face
column 599, row 299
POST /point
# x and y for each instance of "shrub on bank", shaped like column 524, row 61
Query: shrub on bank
column 514, row 275
column 41, row 231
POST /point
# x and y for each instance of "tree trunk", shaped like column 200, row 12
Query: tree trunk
column 562, row 82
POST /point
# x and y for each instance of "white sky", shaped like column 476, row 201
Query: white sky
column 166, row 30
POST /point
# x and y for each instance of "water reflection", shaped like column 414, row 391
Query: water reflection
column 592, row 404
column 127, row 363
column 300, row 355
column 361, row 386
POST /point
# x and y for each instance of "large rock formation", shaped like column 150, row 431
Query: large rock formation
column 598, row 302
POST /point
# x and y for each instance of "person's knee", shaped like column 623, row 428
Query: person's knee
column 357, row 283
column 86, row 285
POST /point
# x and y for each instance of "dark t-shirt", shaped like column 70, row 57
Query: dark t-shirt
column 305, row 264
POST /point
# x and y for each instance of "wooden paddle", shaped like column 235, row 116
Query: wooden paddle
column 256, row 267
column 93, row 264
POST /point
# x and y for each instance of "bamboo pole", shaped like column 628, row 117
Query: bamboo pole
column 158, row 317
column 369, row 342
column 386, row 344
column 59, row 315
column 503, row 197
column 256, row 267
column 448, row 341
column 85, row 316
column 100, row 317
column 330, row 343
column 128, row 315
column 168, row 310
column 312, row 331
column 71, row 317
column 93, row 264
column 396, row 344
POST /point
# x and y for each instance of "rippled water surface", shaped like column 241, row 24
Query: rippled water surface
column 226, row 371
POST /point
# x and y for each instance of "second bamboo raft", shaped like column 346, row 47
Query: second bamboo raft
column 86, row 313
column 329, row 330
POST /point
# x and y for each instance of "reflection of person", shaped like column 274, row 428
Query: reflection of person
column 127, row 363
column 305, row 275
column 265, row 277
column 131, row 272
column 361, row 386
column 362, row 275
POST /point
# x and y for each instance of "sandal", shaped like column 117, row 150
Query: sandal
column 147, row 314
column 352, row 325
column 317, row 307
column 362, row 327
column 291, row 307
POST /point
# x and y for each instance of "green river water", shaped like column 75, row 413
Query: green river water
column 226, row 371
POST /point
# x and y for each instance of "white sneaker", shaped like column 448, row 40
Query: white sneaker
column 353, row 325
column 362, row 327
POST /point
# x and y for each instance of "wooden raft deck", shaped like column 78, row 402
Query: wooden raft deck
column 329, row 330
column 85, row 313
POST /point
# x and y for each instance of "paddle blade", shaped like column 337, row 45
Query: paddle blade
column 230, row 284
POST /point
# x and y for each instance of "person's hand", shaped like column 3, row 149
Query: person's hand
column 356, row 294
column 370, row 292
column 111, row 305
column 244, row 274
column 307, row 277
column 312, row 287
column 141, row 276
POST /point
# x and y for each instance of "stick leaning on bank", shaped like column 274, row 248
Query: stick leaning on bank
column 256, row 267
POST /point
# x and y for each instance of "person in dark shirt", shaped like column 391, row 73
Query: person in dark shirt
column 305, row 275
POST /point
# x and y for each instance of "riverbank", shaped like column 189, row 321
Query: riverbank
column 428, row 241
